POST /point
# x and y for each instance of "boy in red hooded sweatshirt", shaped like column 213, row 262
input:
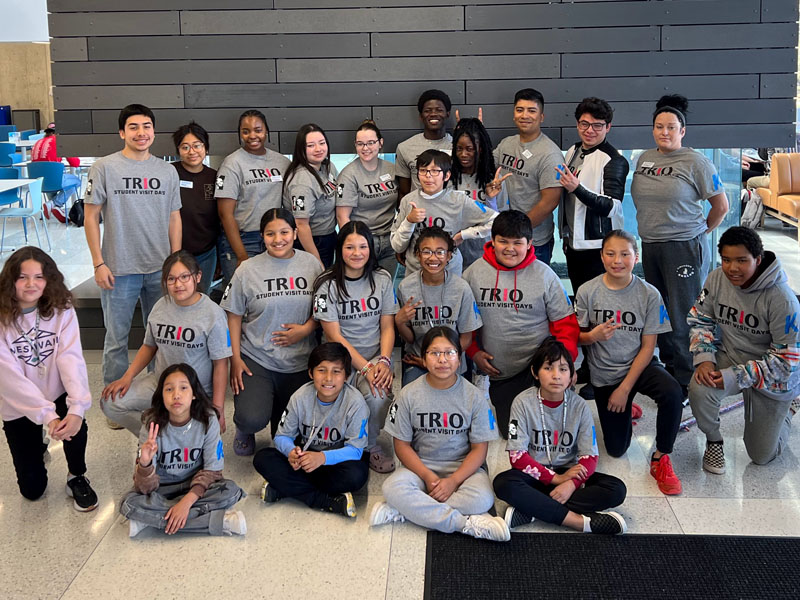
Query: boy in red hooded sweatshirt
column 521, row 302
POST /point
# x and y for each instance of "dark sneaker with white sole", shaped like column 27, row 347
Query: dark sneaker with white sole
column 342, row 504
column 714, row 458
column 516, row 518
column 81, row 492
column 269, row 494
column 607, row 523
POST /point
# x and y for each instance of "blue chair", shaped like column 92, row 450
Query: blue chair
column 7, row 155
column 26, row 134
column 5, row 130
column 11, row 196
column 53, row 175
column 33, row 211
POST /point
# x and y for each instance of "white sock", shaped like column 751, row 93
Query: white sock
column 587, row 524
column 136, row 527
column 234, row 522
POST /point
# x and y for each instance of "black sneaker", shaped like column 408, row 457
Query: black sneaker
column 81, row 492
column 269, row 494
column 515, row 517
column 607, row 523
column 342, row 504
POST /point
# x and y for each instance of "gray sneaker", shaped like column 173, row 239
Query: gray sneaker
column 714, row 458
column 487, row 527
column 382, row 513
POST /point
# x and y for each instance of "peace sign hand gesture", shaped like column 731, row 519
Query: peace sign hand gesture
column 493, row 187
column 150, row 447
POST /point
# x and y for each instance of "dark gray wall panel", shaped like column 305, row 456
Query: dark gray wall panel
column 779, row 10
column 514, row 42
column 779, row 86
column 413, row 69
column 687, row 62
column 762, row 35
column 321, row 20
column 54, row 6
column 69, row 49
column 614, row 89
column 161, row 71
column 117, row 96
column 114, row 24
column 316, row 94
column 228, row 46
column 383, row 3
column 74, row 121
column 225, row 119
column 606, row 14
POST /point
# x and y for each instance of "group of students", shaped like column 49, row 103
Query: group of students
column 498, row 310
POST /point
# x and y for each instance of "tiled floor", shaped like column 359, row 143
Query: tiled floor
column 51, row 551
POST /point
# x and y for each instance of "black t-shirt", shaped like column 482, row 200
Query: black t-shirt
column 201, row 224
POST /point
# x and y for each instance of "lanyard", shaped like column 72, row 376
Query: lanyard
column 563, row 422
column 314, row 429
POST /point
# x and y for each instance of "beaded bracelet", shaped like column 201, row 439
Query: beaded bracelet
column 366, row 368
column 385, row 360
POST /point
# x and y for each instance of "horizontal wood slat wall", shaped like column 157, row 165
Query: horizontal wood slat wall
column 336, row 62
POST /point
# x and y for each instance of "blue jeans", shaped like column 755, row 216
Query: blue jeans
column 544, row 252
column 118, row 306
column 412, row 373
column 208, row 264
column 253, row 244
column 326, row 246
column 385, row 253
column 70, row 184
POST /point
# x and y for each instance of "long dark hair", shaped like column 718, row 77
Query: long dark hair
column 201, row 404
column 484, row 160
column 55, row 295
column 299, row 156
column 187, row 259
column 335, row 272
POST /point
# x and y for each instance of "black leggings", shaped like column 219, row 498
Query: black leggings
column 659, row 385
column 503, row 391
column 24, row 439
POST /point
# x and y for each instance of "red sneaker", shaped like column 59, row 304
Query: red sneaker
column 668, row 482
column 46, row 207
column 58, row 213
column 636, row 411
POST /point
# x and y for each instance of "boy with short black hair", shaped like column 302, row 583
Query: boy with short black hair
column 533, row 159
column 434, row 110
column 744, row 338
column 319, row 456
column 521, row 302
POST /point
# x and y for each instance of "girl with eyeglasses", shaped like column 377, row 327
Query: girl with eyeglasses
column 431, row 298
column 185, row 326
column 442, row 426
column 367, row 191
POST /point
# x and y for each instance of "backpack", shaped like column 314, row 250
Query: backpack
column 76, row 213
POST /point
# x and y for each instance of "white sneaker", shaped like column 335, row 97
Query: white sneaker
column 382, row 513
column 234, row 522
column 487, row 527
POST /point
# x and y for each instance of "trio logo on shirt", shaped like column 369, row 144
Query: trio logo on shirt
column 625, row 319
column 46, row 343
column 358, row 308
column 263, row 176
column 376, row 188
column 179, row 458
column 177, row 335
column 513, row 163
column 284, row 286
column 326, row 436
column 432, row 313
column 655, row 171
column 501, row 295
column 540, row 438
column 739, row 319
column 442, row 423
column 141, row 186
column 432, row 222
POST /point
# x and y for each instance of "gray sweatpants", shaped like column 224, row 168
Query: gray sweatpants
column 678, row 270
column 127, row 410
column 205, row 516
column 767, row 420
column 378, row 406
column 407, row 493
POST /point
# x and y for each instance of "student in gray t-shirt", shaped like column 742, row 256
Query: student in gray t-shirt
column 318, row 456
column 669, row 186
column 272, row 332
column 620, row 317
column 434, row 110
column 355, row 302
column 249, row 182
column 310, row 188
column 185, row 326
column 532, row 158
column 139, row 198
column 367, row 191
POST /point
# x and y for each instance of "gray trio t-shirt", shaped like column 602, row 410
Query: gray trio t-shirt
column 450, row 304
column 452, row 210
column 268, row 292
column 359, row 314
column 668, row 191
column 195, row 335
column 372, row 194
column 183, row 451
column 516, row 311
column 638, row 310
column 533, row 167
column 341, row 422
column 407, row 152
column 255, row 182
column 310, row 201
column 441, row 424
column 568, row 429
column 137, row 198
column 469, row 184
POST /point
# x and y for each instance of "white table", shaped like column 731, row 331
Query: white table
column 24, row 145
column 13, row 184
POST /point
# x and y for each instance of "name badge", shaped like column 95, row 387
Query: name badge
column 276, row 178
column 648, row 164
column 187, row 184
column 385, row 177
column 527, row 153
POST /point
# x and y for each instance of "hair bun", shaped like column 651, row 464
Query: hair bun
column 673, row 101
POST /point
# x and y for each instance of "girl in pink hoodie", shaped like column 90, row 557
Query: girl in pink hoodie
column 44, row 380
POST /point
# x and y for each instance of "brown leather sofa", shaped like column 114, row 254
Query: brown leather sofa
column 782, row 198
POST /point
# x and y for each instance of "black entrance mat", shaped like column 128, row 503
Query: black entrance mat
column 572, row 566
